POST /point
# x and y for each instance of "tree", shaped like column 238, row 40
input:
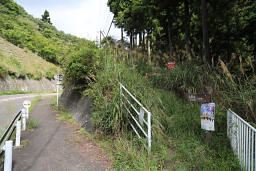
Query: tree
column 46, row 17
column 206, row 49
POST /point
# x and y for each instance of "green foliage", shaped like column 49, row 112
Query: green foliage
column 46, row 17
column 80, row 67
column 32, row 124
column 38, row 76
column 14, row 92
column 108, row 41
column 48, row 52
column 49, row 74
column 178, row 140
column 175, row 28
column 39, row 36
column 10, row 7
column 3, row 72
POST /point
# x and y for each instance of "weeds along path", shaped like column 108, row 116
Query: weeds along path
column 56, row 145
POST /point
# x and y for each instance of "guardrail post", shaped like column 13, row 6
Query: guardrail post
column 27, row 110
column 24, row 122
column 18, row 130
column 8, row 156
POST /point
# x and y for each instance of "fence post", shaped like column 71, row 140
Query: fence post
column 8, row 156
column 18, row 130
column 149, row 131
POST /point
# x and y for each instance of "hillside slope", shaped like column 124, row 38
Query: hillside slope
column 21, row 63
column 26, row 43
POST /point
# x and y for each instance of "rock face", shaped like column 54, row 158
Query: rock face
column 27, row 85
column 80, row 107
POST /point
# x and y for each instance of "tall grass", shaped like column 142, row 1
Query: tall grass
column 178, row 141
column 230, row 89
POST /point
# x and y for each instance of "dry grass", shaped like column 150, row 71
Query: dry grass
column 16, row 60
column 226, row 71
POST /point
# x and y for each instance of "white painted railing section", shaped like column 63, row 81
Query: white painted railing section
column 138, row 115
column 242, row 137
column 6, row 145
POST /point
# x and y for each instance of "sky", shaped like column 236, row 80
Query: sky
column 82, row 18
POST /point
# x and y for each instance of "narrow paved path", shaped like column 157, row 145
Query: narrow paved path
column 11, row 104
column 55, row 146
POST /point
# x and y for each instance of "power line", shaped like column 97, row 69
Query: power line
column 110, row 26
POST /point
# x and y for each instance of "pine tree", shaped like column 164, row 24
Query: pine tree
column 46, row 17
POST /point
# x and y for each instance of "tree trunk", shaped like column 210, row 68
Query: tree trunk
column 134, row 40
column 206, row 48
column 187, row 29
column 131, row 39
column 149, row 48
column 143, row 40
column 140, row 39
column 122, row 37
column 169, row 38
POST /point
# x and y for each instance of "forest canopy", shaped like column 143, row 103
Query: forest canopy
column 203, row 30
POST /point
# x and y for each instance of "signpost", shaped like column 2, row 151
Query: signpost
column 59, row 79
column 207, row 119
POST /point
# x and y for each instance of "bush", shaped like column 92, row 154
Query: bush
column 49, row 75
column 80, row 68
column 38, row 76
column 48, row 52
column 14, row 36
column 3, row 72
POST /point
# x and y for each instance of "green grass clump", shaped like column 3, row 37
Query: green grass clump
column 32, row 124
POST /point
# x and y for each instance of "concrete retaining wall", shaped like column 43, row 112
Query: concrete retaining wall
column 80, row 107
column 27, row 85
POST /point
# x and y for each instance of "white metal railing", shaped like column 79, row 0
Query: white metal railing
column 143, row 124
column 242, row 136
column 6, row 144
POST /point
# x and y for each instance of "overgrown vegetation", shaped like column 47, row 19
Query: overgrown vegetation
column 226, row 66
column 213, row 43
column 38, row 36
column 34, row 36
column 81, row 65
column 178, row 140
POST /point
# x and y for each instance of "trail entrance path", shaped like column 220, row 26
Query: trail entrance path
column 55, row 146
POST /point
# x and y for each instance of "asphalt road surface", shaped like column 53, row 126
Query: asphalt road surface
column 10, row 105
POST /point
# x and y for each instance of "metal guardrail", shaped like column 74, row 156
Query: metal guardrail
column 6, row 144
column 9, row 131
column 243, row 140
column 143, row 124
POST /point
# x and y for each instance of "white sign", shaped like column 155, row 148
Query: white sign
column 27, row 103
